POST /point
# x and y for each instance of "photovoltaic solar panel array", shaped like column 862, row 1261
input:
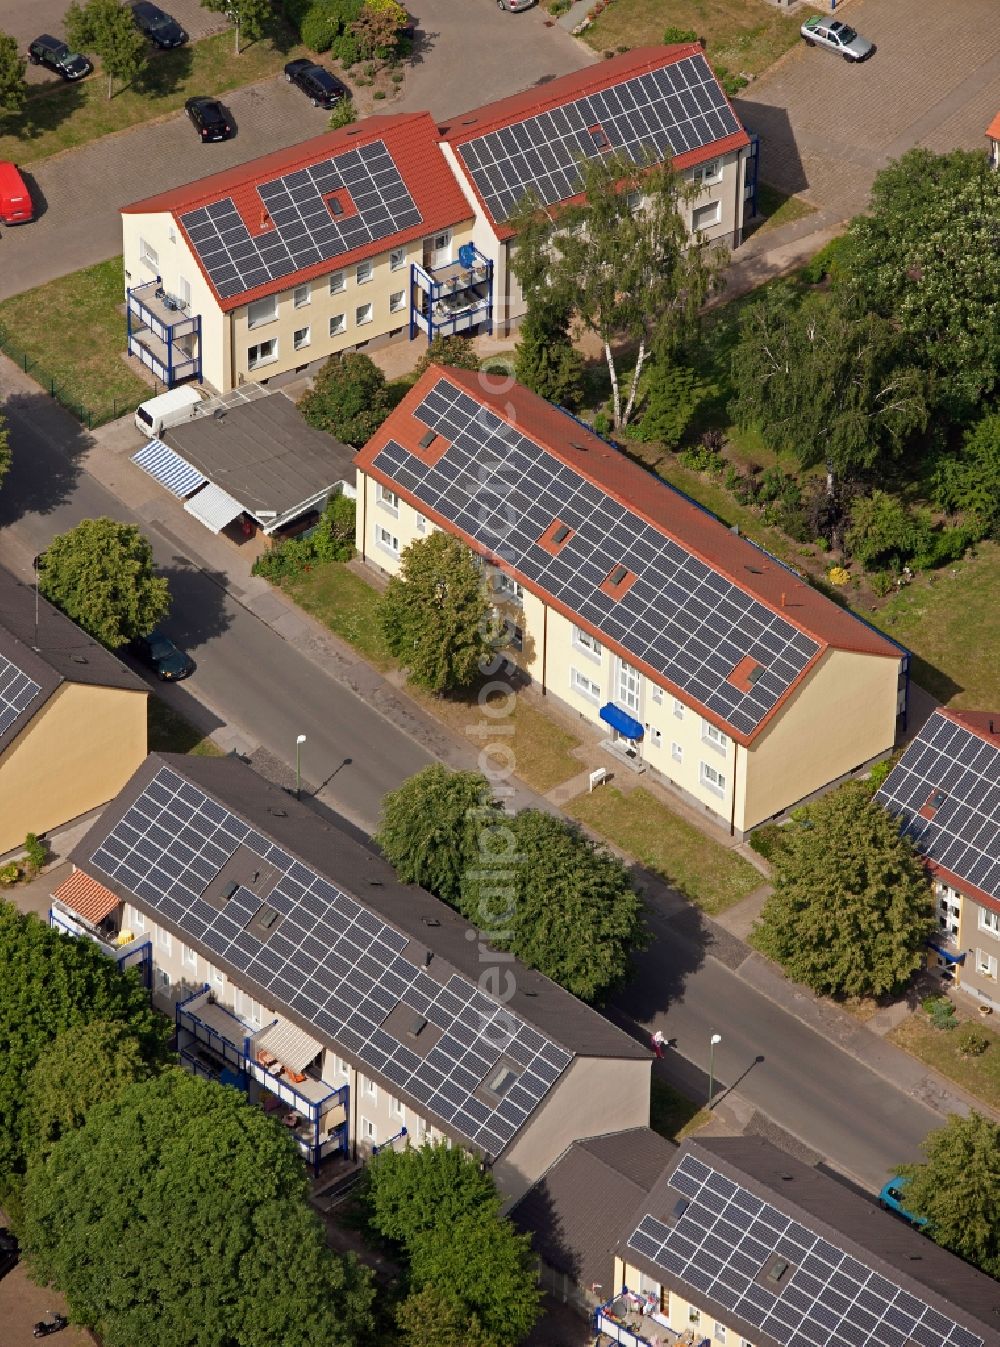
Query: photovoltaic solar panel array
column 686, row 621
column 304, row 230
column 726, row 1236
column 16, row 693
column 664, row 113
column 962, row 771
column 331, row 960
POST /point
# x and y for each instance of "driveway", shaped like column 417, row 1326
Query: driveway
column 827, row 127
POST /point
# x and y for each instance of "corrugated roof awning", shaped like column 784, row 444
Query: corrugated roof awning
column 86, row 897
column 214, row 507
column 292, row 1047
column 170, row 470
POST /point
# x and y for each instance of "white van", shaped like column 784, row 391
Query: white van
column 169, row 409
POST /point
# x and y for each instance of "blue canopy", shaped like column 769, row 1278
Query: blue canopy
column 621, row 721
column 948, row 955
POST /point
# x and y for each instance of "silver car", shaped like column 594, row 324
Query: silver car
column 838, row 37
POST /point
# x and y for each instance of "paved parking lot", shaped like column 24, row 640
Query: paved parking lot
column 22, row 1304
column 828, row 127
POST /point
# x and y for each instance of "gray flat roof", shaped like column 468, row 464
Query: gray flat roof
column 264, row 454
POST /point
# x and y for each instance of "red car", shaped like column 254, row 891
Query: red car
column 15, row 199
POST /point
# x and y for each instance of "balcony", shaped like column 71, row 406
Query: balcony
column 127, row 949
column 162, row 333
column 634, row 1320
column 453, row 298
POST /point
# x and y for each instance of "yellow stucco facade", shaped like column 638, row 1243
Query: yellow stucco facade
column 75, row 754
column 683, row 1316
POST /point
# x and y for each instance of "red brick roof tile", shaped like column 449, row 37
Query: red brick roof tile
column 85, row 896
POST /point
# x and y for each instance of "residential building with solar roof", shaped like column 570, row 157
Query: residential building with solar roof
column 945, row 791
column 649, row 104
column 72, row 718
column 704, row 658
column 300, row 970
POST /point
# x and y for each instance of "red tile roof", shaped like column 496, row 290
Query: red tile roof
column 592, row 79
column 657, row 503
column 993, row 130
column 410, row 138
column 84, row 895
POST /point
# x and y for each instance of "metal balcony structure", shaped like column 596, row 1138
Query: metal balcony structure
column 454, row 298
column 162, row 333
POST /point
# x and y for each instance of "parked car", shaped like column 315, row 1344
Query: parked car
column 15, row 199
column 324, row 89
column 9, row 1252
column 210, row 118
column 53, row 53
column 160, row 653
column 838, row 37
column 162, row 30
column 514, row 6
column 891, row 1199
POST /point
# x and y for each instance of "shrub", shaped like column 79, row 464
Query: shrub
column 942, row 1014
column 674, row 394
column 602, row 422
column 882, row 531
column 9, row 873
column 349, row 399
column 882, row 583
column 767, row 841
column 346, row 49
column 828, row 263
column 331, row 540
column 878, row 773
column 457, row 351
column 941, row 547
column 671, row 35
column 35, row 852
column 318, row 29
column 343, row 114
column 732, row 83
column 972, row 1041
column 379, row 93
column 557, row 7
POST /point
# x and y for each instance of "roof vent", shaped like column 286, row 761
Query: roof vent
column 530, row 991
column 754, row 570
column 79, row 659
column 431, row 921
column 427, row 439
column 575, row 444
column 219, row 413
column 278, row 813
column 469, row 121
column 230, row 890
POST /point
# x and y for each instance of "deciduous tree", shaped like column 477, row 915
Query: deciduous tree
column 101, row 575
column 248, row 17
column 851, row 908
column 455, row 351
column 413, row 1191
column 13, row 85
column 429, row 1318
column 179, row 1203
column 430, row 828
column 107, row 29
column 377, row 27
column 969, row 482
column 436, row 615
column 622, row 261
column 349, row 399
column 955, row 1189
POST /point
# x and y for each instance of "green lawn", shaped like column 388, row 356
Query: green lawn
column 169, row 732
column 672, row 1114
column 345, row 603
column 708, row 874
column 62, row 116
column 779, row 209
column 742, row 35
column 73, row 333
column 939, row 1049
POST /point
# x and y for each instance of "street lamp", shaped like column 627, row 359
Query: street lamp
column 298, row 765
column 716, row 1038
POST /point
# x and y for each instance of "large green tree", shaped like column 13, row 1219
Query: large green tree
column 925, row 256
column 413, row 1191
column 851, row 908
column 52, row 983
column 456, row 351
column 955, row 1189
column 248, row 17
column 429, row 1318
column 622, row 260
column 825, row 384
column 430, row 827
column 178, row 1213
column 349, row 399
column 13, row 85
column 107, row 29
column 545, row 359
column 969, row 482
column 101, row 575
column 5, row 453
column 436, row 615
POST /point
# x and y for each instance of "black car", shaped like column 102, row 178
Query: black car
column 160, row 653
column 210, row 118
column 8, row 1251
column 324, row 89
column 53, row 53
column 160, row 28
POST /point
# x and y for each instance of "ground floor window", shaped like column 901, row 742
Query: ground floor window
column 387, row 540
column 264, row 353
column 713, row 779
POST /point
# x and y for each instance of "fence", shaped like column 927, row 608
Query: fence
column 87, row 416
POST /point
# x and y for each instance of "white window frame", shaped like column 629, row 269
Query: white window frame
column 148, row 255
column 655, row 736
column 387, row 499
column 302, row 338
column 138, row 919
column 656, row 692
column 163, row 940
column 585, row 686
column 363, row 273
column 711, row 734
column 676, row 752
column 218, row 981
column 164, row 978
column 421, row 521
column 343, row 1067
column 368, row 1131
column 678, row 709
column 184, row 291
column 712, row 779
column 706, row 216
column 397, row 259
column 989, row 921
column 590, row 645
column 694, row 1315
column 628, row 686
column 720, row 1333
column 371, row 1089
column 397, row 301
column 259, row 360
column 363, row 314
column 338, row 282
column 986, row 964
column 189, row 957
column 302, row 295
column 265, row 315
column 506, row 584
column 707, row 175
column 386, row 540
column 338, row 324
column 395, row 1107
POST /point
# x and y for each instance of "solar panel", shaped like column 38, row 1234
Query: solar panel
column 951, row 774
column 824, row 1298
column 664, row 113
column 346, row 997
column 678, row 617
column 298, row 227
column 17, row 691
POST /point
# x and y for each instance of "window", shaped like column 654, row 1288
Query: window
column 628, row 686
column 337, row 283
column 397, row 259
column 368, row 1131
column 655, row 738
column 171, row 233
column 395, row 1107
column 301, row 296
column 507, row 585
column 633, row 200
column 189, row 957
column 589, row 644
column 371, row 1089
column 713, row 779
column 343, row 1067
column 703, row 217
column 264, row 353
column 386, row 498
column 363, row 314
column 363, row 273
column 338, row 324
column 989, row 921
column 421, row 521
column 218, row 981
column 262, row 311
column 397, row 301
column 720, row 1332
column 162, row 978
column 585, row 686
column 184, row 291
column 706, row 174
column 148, row 255
column 301, row 338
column 676, row 752
column 387, row 541
column 138, row 919
column 694, row 1316
column 678, row 709
column 163, row 940
column 656, row 692
column 713, row 735
column 986, row 964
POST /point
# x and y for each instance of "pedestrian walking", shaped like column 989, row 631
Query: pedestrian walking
column 658, row 1042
